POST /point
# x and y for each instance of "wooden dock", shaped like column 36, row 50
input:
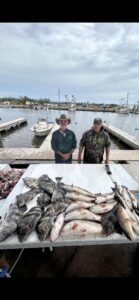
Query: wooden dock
column 5, row 126
column 125, row 137
column 47, row 142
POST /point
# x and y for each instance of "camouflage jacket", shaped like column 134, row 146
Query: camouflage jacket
column 94, row 144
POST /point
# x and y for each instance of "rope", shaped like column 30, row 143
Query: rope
column 16, row 261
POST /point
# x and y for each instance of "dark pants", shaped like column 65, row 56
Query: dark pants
column 93, row 161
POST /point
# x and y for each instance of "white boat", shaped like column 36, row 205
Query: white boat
column 42, row 127
column 124, row 110
column 72, row 107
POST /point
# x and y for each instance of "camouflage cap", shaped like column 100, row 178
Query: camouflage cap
column 97, row 121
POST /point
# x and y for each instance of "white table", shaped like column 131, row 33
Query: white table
column 91, row 177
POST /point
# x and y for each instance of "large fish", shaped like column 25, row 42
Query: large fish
column 125, row 222
column 28, row 222
column 46, row 184
column 80, row 228
column 58, row 193
column 79, row 197
column 57, row 227
column 104, row 198
column 102, row 208
column 56, row 208
column 24, row 198
column 44, row 226
column 43, row 200
column 9, row 225
column 32, row 183
column 82, row 214
column 72, row 188
column 78, row 204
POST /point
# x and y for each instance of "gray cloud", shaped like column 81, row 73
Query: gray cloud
column 92, row 60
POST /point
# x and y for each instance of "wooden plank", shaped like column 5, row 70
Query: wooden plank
column 125, row 137
column 44, row 154
column 47, row 142
column 12, row 124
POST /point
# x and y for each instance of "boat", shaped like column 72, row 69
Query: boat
column 125, row 109
column 42, row 127
column 72, row 104
column 135, row 109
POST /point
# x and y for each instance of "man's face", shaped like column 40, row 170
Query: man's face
column 97, row 126
column 63, row 124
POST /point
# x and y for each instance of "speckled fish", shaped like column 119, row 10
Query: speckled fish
column 9, row 225
column 78, row 204
column 46, row 184
column 125, row 222
column 57, row 227
column 72, row 188
column 82, row 214
column 80, row 228
column 24, row 198
column 58, row 193
column 79, row 197
column 102, row 208
column 28, row 222
column 119, row 198
column 56, row 208
column 104, row 198
column 32, row 183
column 44, row 226
column 43, row 200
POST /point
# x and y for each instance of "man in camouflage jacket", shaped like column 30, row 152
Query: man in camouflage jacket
column 94, row 141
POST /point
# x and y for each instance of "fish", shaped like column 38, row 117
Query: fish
column 24, row 198
column 28, row 222
column 44, row 226
column 9, row 225
column 58, row 193
column 78, row 204
column 79, row 197
column 81, row 214
column 125, row 222
column 119, row 198
column 104, row 198
column 109, row 221
column 72, row 188
column 81, row 228
column 30, row 182
column 102, row 208
column 46, row 184
column 56, row 208
column 126, row 197
column 57, row 227
column 43, row 199
column 135, row 227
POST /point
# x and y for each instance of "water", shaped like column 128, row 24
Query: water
column 23, row 137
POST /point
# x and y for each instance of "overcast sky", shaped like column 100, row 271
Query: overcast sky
column 96, row 62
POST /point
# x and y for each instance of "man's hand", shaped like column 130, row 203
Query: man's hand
column 66, row 156
column 79, row 160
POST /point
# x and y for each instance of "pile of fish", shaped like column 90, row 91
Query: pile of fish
column 8, row 179
column 70, row 211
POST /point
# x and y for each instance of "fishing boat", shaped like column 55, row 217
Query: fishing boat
column 125, row 108
column 42, row 127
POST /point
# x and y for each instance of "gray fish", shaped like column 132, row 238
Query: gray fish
column 32, row 183
column 77, row 196
column 57, row 227
column 24, row 198
column 28, row 222
column 72, row 188
column 56, row 208
column 46, row 184
column 125, row 222
column 9, row 225
column 44, row 226
column 58, row 193
column 43, row 200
